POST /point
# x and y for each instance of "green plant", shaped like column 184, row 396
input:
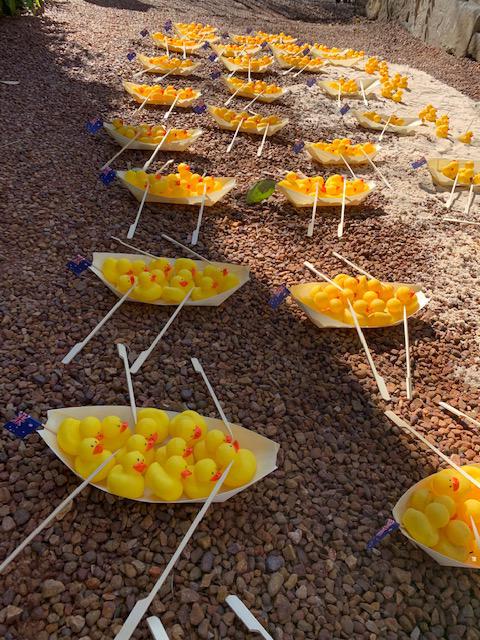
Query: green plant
column 12, row 7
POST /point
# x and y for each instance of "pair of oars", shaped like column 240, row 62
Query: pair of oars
column 408, row 377
column 341, row 224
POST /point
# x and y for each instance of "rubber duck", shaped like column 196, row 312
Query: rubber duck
column 174, row 447
column 202, row 479
column 190, row 426
column 166, row 481
column 207, row 448
column 449, row 482
column 160, row 418
column 126, row 479
column 244, row 464
column 115, row 432
column 91, row 454
column 466, row 137
column 139, row 443
column 72, row 431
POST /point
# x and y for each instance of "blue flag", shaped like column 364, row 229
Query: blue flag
column 23, row 425
column 225, row 35
column 306, row 51
column 78, row 265
column 107, row 175
column 168, row 25
column 298, row 146
column 212, row 57
column 279, row 296
column 419, row 163
column 249, row 31
column 144, row 33
column 206, row 45
column 311, row 82
column 343, row 110
column 389, row 527
column 215, row 75
column 264, row 44
column 200, row 108
column 131, row 55
column 94, row 125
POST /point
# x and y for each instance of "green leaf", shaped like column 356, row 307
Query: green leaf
column 260, row 191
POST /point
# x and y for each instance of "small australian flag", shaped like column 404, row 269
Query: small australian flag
column 78, row 265
column 206, row 45
column 264, row 44
column 311, row 82
column 298, row 146
column 131, row 55
column 279, row 296
column 215, row 75
column 200, row 108
column 418, row 163
column 343, row 110
column 389, row 527
column 94, row 125
column 23, row 425
column 144, row 33
column 212, row 57
column 168, row 25
column 107, row 175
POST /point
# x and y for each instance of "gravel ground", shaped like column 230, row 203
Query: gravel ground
column 293, row 546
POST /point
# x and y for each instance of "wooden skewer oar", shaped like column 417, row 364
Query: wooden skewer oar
column 199, row 369
column 459, row 414
column 470, row 199
column 179, row 244
column 385, row 127
column 124, row 148
column 122, row 352
column 348, row 166
column 342, row 211
column 230, row 146
column 452, row 193
column 376, row 169
column 196, row 231
column 262, row 144
column 311, row 224
column 408, row 378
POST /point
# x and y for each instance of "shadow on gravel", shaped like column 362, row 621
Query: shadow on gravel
column 127, row 5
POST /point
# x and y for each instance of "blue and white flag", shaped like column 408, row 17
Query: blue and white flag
column 23, row 425
column 94, row 125
column 343, row 110
column 279, row 296
column 389, row 527
column 418, row 163
column 78, row 265
column 107, row 175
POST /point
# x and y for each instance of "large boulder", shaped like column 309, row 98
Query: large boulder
column 474, row 47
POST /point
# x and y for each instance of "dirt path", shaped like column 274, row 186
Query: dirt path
column 293, row 547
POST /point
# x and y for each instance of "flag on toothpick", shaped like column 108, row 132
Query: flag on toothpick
column 419, row 163
column 215, row 75
column 107, row 175
column 298, row 146
column 389, row 527
column 200, row 108
column 343, row 110
column 212, row 57
column 94, row 125
column 311, row 82
column 264, row 44
column 23, row 425
column 225, row 35
column 306, row 51
column 168, row 25
column 249, row 30
column 144, row 33
column 279, row 296
column 131, row 54
column 78, row 265
column 206, row 45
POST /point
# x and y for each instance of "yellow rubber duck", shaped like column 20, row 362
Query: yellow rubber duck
column 449, row 482
column 166, row 482
column 115, row 432
column 126, row 479
column 202, row 479
column 190, row 426
column 174, row 447
column 208, row 448
column 72, row 431
column 159, row 417
column 139, row 443
column 91, row 454
column 244, row 464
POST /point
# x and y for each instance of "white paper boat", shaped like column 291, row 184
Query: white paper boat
column 435, row 166
column 232, row 66
column 301, row 291
column 157, row 67
column 283, row 63
column 228, row 126
column 207, row 34
column 368, row 84
column 349, row 63
column 239, row 270
column 227, row 185
column 405, row 129
column 159, row 41
column 221, row 49
column 327, row 158
column 282, row 50
column 264, row 97
column 130, row 87
column 398, row 511
column 301, row 200
column 265, row 450
column 174, row 145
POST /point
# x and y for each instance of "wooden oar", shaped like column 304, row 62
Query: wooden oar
column 352, row 264
column 230, row 146
column 167, row 115
column 133, row 226
column 124, row 148
column 385, row 127
column 199, row 369
column 376, row 169
column 156, row 628
column 452, row 192
column 348, row 166
column 459, row 414
column 225, row 104
column 382, row 387
column 408, row 378
column 342, row 211
column 311, row 224
column 179, row 244
column 365, row 101
column 131, row 246
column 247, row 617
column 196, row 231
column 122, row 352
column 260, row 148
column 255, row 99
column 470, row 199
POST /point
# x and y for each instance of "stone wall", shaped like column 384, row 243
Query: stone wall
column 453, row 25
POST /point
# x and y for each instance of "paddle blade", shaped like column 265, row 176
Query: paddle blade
column 260, row 191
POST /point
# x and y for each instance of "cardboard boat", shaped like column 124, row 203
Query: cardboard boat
column 398, row 511
column 329, row 159
column 220, row 50
column 435, row 166
column 405, row 129
column 207, row 34
column 301, row 200
column 265, row 450
column 232, row 66
column 158, row 67
column 301, row 291
column 244, row 93
column 228, row 126
column 280, row 59
column 227, row 185
column 337, row 59
column 239, row 270
column 368, row 84
column 130, row 87
column 159, row 41
column 173, row 145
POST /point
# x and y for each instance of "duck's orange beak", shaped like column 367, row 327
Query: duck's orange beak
column 188, row 452
column 197, row 433
column 216, row 476
column 140, row 467
column 236, row 445
column 455, row 484
column 150, row 444
column 154, row 437
column 186, row 473
column 123, row 426
column 228, row 439
column 98, row 449
column 99, row 436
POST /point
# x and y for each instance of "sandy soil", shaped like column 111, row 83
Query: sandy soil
column 293, row 547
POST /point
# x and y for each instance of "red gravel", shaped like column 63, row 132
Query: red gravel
column 293, row 547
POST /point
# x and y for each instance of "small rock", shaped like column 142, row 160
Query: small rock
column 187, row 596
column 8, row 524
column 21, row 516
column 196, row 614
column 274, row 563
column 76, row 623
column 10, row 614
column 275, row 584
column 52, row 588
column 295, row 536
